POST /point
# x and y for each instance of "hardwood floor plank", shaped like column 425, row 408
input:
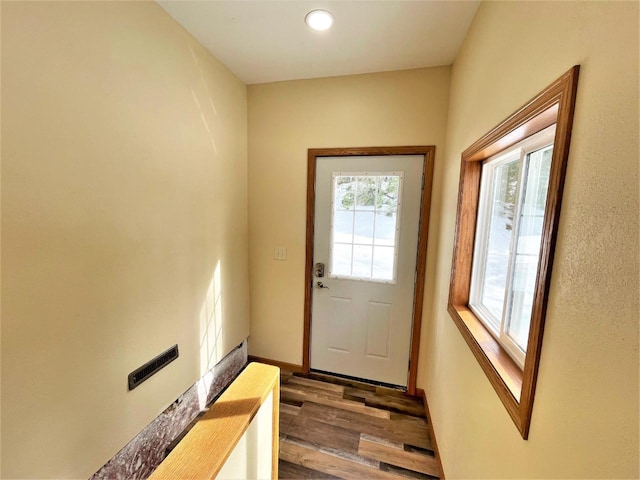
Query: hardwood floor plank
column 395, row 392
column 332, row 427
column 408, row 422
column 322, row 434
column 395, row 403
column 403, row 472
column 288, row 470
column 409, row 418
column 335, row 452
column 330, row 464
column 290, row 394
column 400, row 431
column 288, row 401
column 393, row 406
column 397, row 456
column 289, row 409
column 322, row 377
column 292, row 384
column 324, row 386
column 383, row 441
column 412, row 448
column 285, row 420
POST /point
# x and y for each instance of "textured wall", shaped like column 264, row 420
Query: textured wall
column 124, row 225
column 585, row 415
column 287, row 118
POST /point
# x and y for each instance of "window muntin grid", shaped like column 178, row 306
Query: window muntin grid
column 365, row 222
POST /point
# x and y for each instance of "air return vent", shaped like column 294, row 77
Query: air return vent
column 140, row 374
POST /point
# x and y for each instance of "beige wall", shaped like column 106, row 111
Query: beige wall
column 585, row 416
column 124, row 164
column 287, row 118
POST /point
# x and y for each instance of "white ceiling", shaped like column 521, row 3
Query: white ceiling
column 267, row 41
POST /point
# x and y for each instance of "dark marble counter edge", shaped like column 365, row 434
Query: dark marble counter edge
column 142, row 455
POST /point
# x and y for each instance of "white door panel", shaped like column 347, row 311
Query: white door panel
column 378, row 317
column 366, row 234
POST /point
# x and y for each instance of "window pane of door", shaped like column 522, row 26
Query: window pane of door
column 386, row 225
column 362, row 258
column 344, row 191
column 366, row 196
column 383, row 262
column 343, row 226
column 341, row 259
column 365, row 213
column 363, row 228
column 531, row 221
column 388, row 188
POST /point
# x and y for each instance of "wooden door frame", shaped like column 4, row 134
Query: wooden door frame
column 423, row 233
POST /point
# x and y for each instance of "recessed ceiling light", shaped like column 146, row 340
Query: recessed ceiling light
column 319, row 19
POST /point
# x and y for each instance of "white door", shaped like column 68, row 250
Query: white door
column 367, row 212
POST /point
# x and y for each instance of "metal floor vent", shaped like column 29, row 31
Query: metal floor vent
column 154, row 365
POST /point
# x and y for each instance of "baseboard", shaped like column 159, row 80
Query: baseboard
column 420, row 392
column 283, row 365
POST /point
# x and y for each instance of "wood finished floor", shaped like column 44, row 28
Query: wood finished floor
column 335, row 428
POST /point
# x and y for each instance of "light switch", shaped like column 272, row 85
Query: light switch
column 280, row 253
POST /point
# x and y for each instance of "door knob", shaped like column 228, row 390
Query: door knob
column 321, row 285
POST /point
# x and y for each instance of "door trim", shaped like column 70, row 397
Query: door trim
column 423, row 233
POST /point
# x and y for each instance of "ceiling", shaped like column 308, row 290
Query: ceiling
column 266, row 41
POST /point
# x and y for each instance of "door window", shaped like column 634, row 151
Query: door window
column 365, row 214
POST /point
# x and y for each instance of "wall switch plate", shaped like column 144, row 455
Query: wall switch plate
column 280, row 253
